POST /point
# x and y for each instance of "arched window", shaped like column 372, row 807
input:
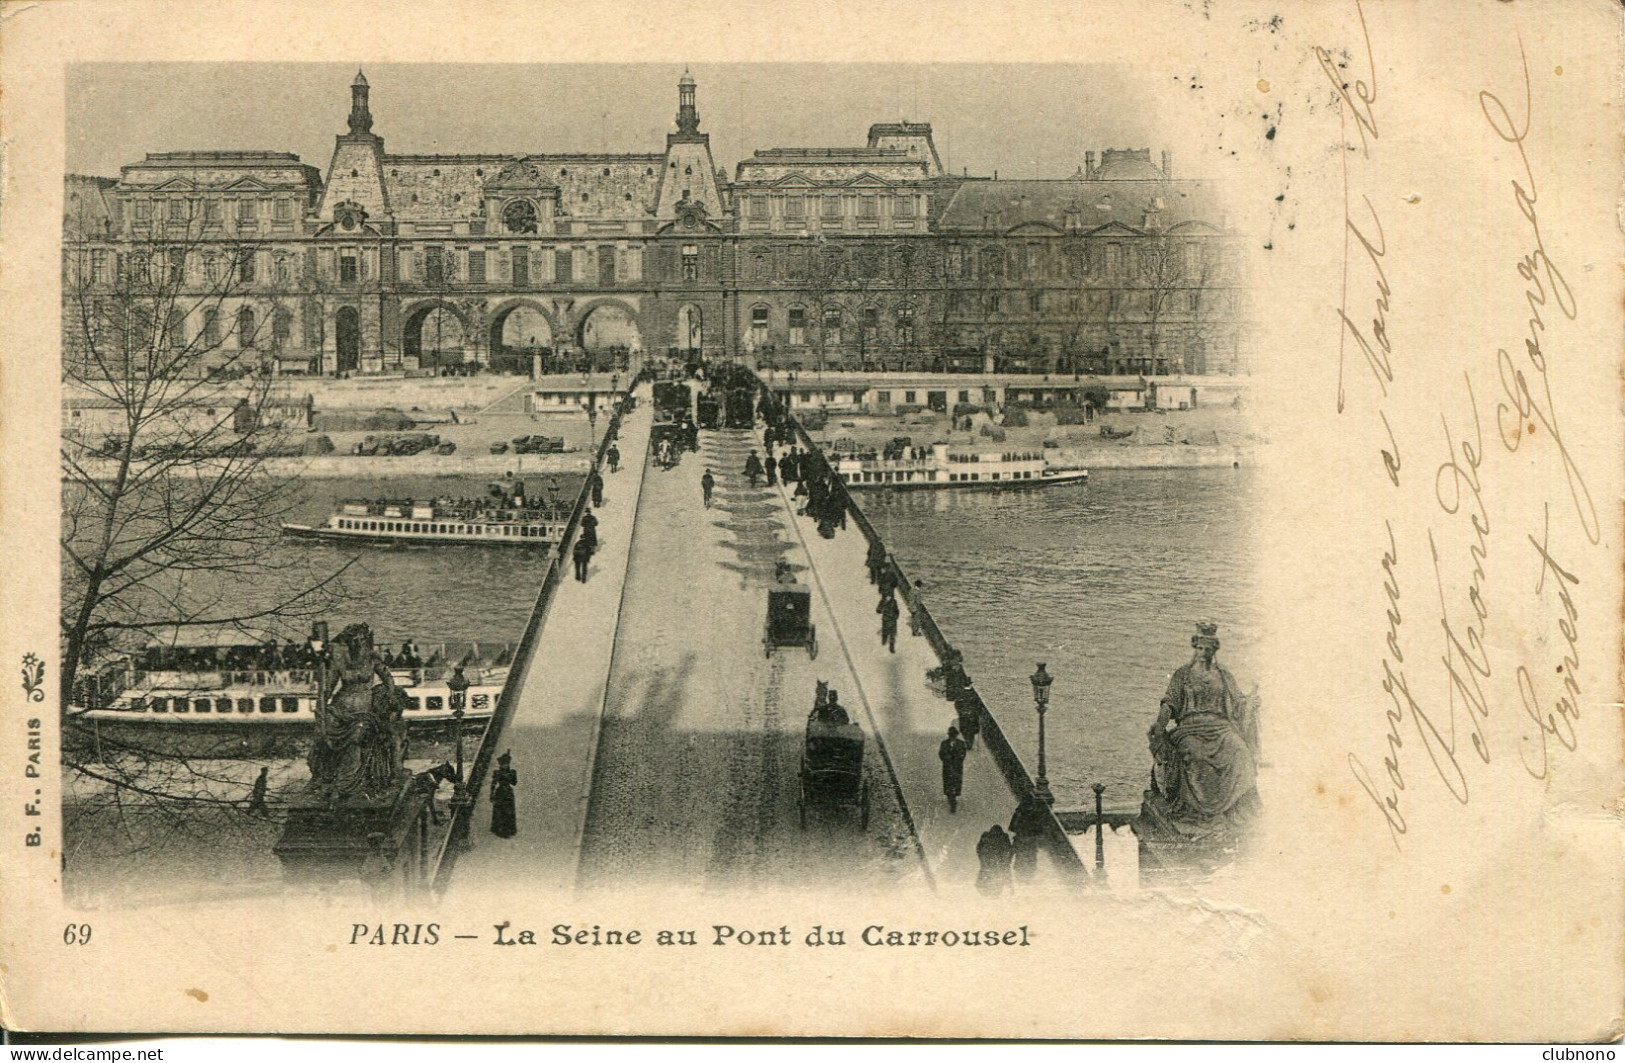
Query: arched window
column 832, row 325
column 520, row 217
column 281, row 328
column 245, row 327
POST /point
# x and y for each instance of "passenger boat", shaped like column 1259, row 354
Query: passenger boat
column 225, row 692
column 441, row 521
column 936, row 466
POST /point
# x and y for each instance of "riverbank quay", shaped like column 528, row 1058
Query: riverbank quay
column 495, row 466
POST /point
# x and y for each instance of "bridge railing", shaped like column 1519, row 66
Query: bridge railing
column 1005, row 758
column 445, row 858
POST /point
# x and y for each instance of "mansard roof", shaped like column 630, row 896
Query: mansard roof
column 826, row 166
column 590, row 185
column 219, row 171
column 1077, row 205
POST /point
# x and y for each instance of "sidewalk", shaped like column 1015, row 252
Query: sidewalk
column 555, row 723
column 697, row 775
column 910, row 719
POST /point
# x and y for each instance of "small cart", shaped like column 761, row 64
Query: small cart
column 832, row 770
column 789, row 620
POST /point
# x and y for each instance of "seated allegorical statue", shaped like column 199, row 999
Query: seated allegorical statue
column 360, row 743
column 1205, row 744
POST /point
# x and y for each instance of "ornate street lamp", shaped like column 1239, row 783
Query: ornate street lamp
column 318, row 655
column 1041, row 681
column 458, row 685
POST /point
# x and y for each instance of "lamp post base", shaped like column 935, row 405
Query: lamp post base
column 1041, row 791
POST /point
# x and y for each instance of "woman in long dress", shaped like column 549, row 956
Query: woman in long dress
column 504, row 819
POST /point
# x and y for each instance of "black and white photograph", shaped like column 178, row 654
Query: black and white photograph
column 439, row 517
column 882, row 521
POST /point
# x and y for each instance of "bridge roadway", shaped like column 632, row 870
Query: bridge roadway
column 654, row 739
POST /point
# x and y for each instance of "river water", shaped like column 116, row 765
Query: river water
column 1104, row 583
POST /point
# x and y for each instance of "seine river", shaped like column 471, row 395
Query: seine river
column 1104, row 583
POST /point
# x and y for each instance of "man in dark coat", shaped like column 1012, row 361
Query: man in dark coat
column 876, row 560
column 595, row 483
column 952, row 754
column 887, row 580
column 614, row 456
column 970, row 714
column 708, row 483
column 583, row 556
column 589, row 528
column 1028, row 826
column 889, row 612
column 787, row 467
column 993, row 852
column 753, row 468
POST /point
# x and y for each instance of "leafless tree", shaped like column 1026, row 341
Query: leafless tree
column 170, row 510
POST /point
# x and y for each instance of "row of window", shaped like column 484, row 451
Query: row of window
column 833, row 321
column 522, row 531
column 210, row 211
column 903, row 476
column 522, row 266
column 272, row 704
column 760, row 207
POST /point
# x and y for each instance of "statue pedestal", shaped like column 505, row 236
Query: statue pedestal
column 1169, row 845
column 326, row 844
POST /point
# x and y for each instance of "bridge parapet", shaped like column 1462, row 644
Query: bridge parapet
column 1008, row 761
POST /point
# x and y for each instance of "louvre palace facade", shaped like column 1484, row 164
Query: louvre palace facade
column 868, row 257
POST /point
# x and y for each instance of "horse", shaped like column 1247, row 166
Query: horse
column 428, row 783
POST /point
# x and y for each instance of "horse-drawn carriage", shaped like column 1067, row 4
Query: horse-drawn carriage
column 832, row 769
column 789, row 620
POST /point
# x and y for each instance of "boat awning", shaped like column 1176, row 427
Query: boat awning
column 207, row 635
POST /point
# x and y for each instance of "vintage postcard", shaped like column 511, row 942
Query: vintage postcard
column 1092, row 520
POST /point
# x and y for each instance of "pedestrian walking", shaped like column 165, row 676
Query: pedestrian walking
column 614, row 456
column 952, row 754
column 256, row 796
column 787, row 467
column 888, row 611
column 504, row 816
column 1027, row 824
column 875, row 560
column 888, row 576
column 708, row 484
column 916, row 608
column 582, row 556
column 753, row 468
column 968, row 710
column 589, row 529
column 771, row 469
column 595, row 483
column 993, row 852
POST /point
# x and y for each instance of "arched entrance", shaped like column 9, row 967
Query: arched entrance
column 690, row 336
column 518, row 334
column 347, row 333
column 609, row 334
column 435, row 335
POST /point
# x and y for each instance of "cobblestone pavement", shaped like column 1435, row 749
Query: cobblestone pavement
column 696, row 776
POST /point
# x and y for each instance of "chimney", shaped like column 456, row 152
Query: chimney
column 1089, row 165
column 1167, row 164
